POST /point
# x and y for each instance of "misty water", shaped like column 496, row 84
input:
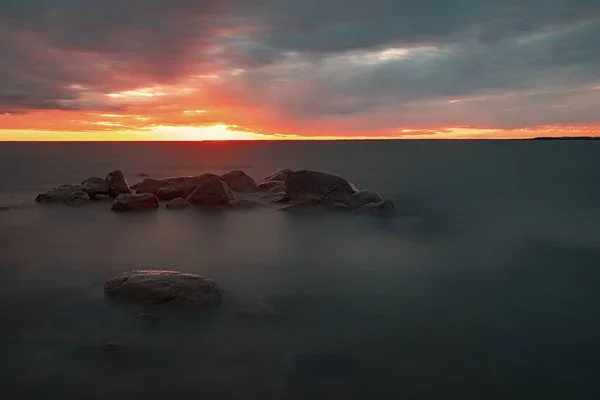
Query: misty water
column 483, row 286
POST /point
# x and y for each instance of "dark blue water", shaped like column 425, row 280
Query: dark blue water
column 483, row 287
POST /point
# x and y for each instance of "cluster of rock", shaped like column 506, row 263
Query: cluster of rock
column 294, row 190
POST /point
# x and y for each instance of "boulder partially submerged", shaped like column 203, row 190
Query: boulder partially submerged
column 280, row 175
column 163, row 287
column 305, row 185
column 118, row 184
column 239, row 181
column 213, row 192
column 175, row 190
column 95, row 186
column 151, row 186
column 65, row 194
column 135, row 202
column 178, row 204
column 268, row 185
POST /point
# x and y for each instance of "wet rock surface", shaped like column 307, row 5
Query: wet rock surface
column 65, row 194
column 163, row 287
column 117, row 183
column 95, row 187
column 135, row 202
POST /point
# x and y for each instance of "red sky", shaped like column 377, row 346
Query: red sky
column 292, row 69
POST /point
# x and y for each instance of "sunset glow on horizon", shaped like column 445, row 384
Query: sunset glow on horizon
column 219, row 71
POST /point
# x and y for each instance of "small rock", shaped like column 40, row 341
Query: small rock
column 4, row 209
column 178, row 204
column 150, row 185
column 175, row 190
column 280, row 175
column 239, row 181
column 118, row 184
column 163, row 287
column 135, row 202
column 66, row 194
column 144, row 174
column 385, row 207
column 268, row 185
column 95, row 186
column 214, row 192
column 277, row 189
column 363, row 197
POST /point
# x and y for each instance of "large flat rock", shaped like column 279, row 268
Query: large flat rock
column 163, row 287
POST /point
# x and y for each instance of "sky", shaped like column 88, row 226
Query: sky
column 298, row 69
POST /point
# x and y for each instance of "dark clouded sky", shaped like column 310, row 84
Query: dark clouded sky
column 378, row 68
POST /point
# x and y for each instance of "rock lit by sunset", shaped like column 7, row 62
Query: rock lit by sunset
column 297, row 69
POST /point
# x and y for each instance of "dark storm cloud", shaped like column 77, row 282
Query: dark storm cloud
column 302, row 57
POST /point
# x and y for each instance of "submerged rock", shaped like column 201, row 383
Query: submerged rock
column 363, row 197
column 95, row 186
column 384, row 207
column 302, row 186
column 239, row 181
column 66, row 194
column 259, row 309
column 163, row 287
column 268, row 185
column 178, row 204
column 118, row 184
column 150, row 185
column 214, row 192
column 279, row 189
column 135, row 202
column 280, row 175
column 191, row 180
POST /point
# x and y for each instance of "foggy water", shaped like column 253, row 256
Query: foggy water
column 483, row 287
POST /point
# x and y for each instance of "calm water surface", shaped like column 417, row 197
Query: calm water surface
column 483, row 287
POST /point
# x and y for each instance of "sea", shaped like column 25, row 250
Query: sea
column 484, row 284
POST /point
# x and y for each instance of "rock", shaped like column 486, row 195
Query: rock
column 280, row 175
column 214, row 192
column 280, row 199
column 362, row 198
column 174, row 191
column 4, row 209
column 191, row 180
column 302, row 186
column 118, row 183
column 267, row 186
column 178, row 204
column 150, row 185
column 260, row 309
column 95, row 186
column 277, row 189
column 239, row 181
column 384, row 207
column 135, row 202
column 143, row 174
column 163, row 287
column 67, row 194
